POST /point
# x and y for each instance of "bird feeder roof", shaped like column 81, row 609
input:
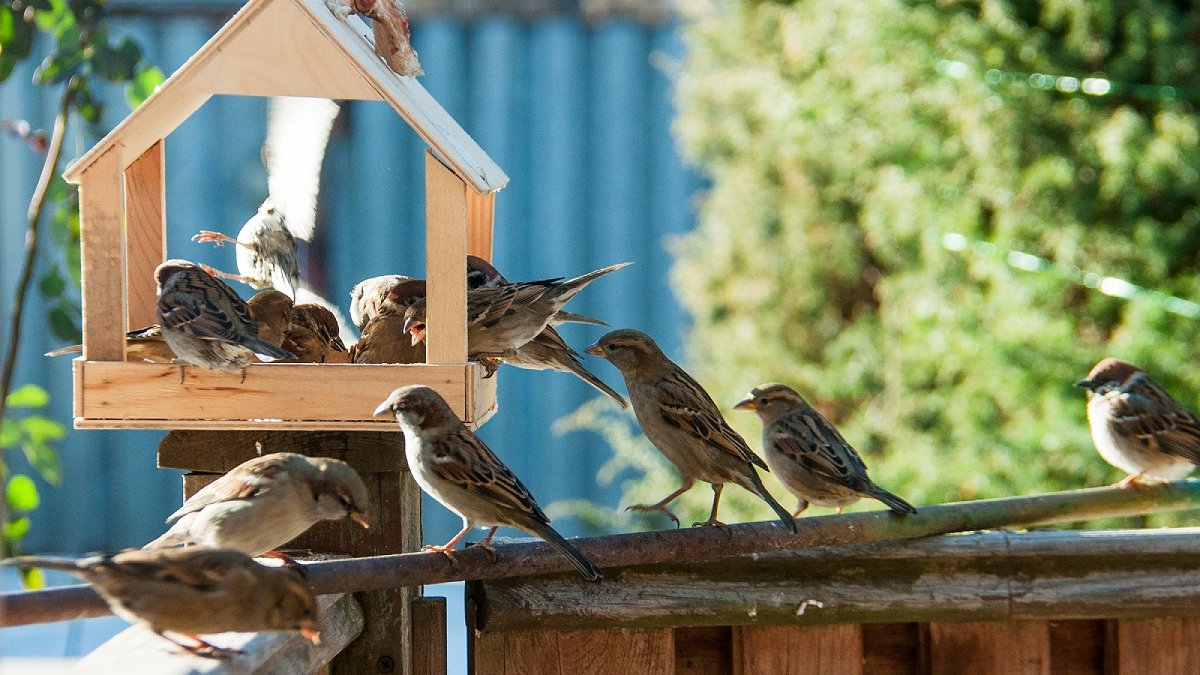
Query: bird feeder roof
column 294, row 48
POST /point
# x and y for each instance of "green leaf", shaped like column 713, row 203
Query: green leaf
column 32, row 578
column 16, row 34
column 44, row 459
column 16, row 528
column 28, row 396
column 63, row 323
column 52, row 284
column 21, row 493
column 41, row 5
column 116, row 64
column 10, row 434
column 142, row 86
column 40, row 429
column 7, row 64
column 58, row 67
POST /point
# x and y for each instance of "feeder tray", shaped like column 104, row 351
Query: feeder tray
column 270, row 48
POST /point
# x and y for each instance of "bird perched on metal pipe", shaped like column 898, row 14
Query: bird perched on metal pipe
column 806, row 452
column 502, row 318
column 194, row 591
column 453, row 466
column 683, row 422
column 205, row 323
column 1137, row 426
column 266, row 502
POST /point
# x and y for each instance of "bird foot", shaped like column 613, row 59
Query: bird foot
column 490, row 363
column 1132, row 480
column 647, row 508
column 207, row 649
column 210, row 237
column 493, row 557
column 444, row 550
column 288, row 561
column 713, row 522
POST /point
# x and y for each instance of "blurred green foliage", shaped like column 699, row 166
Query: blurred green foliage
column 854, row 146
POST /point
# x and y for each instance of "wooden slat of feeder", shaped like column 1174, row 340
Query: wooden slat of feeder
column 481, row 212
column 101, row 246
column 445, row 263
column 281, row 396
column 145, row 228
column 813, row 650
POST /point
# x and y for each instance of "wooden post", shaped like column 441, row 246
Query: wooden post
column 386, row 644
column 145, row 232
column 102, row 248
column 481, row 214
column 445, row 263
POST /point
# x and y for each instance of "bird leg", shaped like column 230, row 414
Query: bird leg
column 490, row 362
column 235, row 277
column 447, row 548
column 839, row 510
column 486, row 545
column 288, row 561
column 801, row 505
column 712, row 516
column 662, row 505
column 202, row 647
column 1132, row 480
column 210, row 237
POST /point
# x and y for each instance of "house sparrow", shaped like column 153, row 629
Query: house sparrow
column 683, row 422
column 368, row 294
column 389, row 23
column 503, row 318
column 383, row 338
column 808, row 454
column 274, row 311
column 205, row 323
column 313, row 337
column 453, row 466
column 266, row 502
column 1137, row 426
column 482, row 274
column 298, row 130
column 192, row 591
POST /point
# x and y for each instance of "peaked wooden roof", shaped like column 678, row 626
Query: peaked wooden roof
column 294, row 48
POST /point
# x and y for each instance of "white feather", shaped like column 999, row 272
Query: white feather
column 297, row 133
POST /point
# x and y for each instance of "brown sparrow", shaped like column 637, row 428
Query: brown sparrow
column 389, row 23
column 313, row 337
column 383, row 338
column 453, row 466
column 274, row 311
column 143, row 344
column 1137, row 426
column 192, row 591
column 368, row 294
column 503, row 318
column 683, row 422
column 808, row 454
column 266, row 502
column 205, row 323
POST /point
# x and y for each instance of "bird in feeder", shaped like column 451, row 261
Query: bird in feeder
column 683, row 422
column 266, row 502
column 1137, row 426
column 452, row 465
column 502, row 318
column 194, row 591
column 205, row 323
column 809, row 455
column 383, row 338
column 313, row 336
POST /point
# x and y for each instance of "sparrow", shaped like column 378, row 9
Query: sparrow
column 1137, row 426
column 808, row 454
column 481, row 274
column 389, row 23
column 547, row 351
column 205, row 323
column 503, row 318
column 453, row 466
column 367, row 295
column 266, row 502
column 191, row 591
column 683, row 422
column 383, row 338
column 313, row 337
column 271, row 309
column 297, row 132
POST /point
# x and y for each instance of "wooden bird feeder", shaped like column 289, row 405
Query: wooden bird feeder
column 270, row 48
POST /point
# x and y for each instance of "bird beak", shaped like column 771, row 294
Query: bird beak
column 360, row 519
column 596, row 350
column 312, row 634
column 416, row 328
column 384, row 408
column 1086, row 384
column 746, row 404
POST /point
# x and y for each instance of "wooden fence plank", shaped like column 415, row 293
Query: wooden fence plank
column 1077, row 647
column 429, row 636
column 987, row 648
column 798, row 650
column 1158, row 647
column 891, row 648
column 616, row 651
column 704, row 650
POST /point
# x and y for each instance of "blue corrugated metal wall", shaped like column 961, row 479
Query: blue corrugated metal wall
column 576, row 114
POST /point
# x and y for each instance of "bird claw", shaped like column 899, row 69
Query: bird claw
column 713, row 522
column 1133, row 480
column 210, row 237
column 490, row 365
column 288, row 562
column 493, row 557
column 444, row 550
column 646, row 508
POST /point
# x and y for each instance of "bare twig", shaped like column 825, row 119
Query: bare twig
column 674, row 546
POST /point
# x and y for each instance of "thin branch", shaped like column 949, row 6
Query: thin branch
column 673, row 546
column 34, row 217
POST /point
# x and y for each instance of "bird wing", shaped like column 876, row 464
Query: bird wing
column 683, row 403
column 200, row 569
column 461, row 458
column 815, row 444
column 487, row 306
column 297, row 133
column 243, row 482
column 209, row 311
column 1141, row 409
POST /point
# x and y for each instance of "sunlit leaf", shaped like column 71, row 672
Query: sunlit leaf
column 16, row 528
column 21, row 493
column 142, row 86
column 44, row 459
column 32, row 578
column 58, row 67
column 28, row 396
column 10, row 434
column 40, row 429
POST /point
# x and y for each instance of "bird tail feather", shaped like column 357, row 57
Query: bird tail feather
column 784, row 515
column 892, row 501
column 586, row 567
column 568, row 289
